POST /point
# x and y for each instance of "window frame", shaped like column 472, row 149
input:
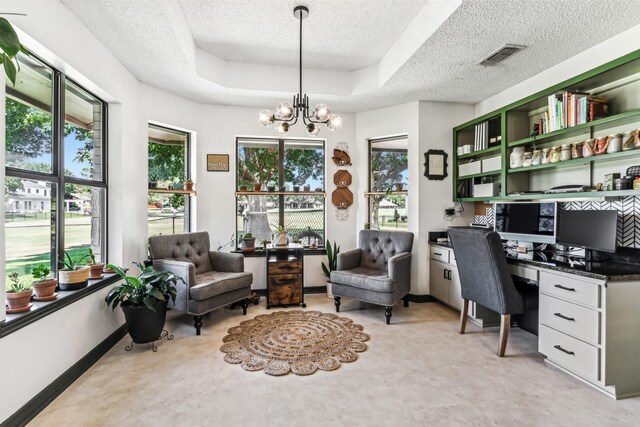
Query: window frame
column 57, row 175
column 281, row 181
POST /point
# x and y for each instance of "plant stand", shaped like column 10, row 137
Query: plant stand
column 164, row 334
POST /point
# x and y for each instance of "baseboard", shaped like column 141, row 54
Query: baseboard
column 41, row 400
column 420, row 298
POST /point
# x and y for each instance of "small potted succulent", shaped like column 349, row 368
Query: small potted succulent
column 95, row 269
column 257, row 186
column 74, row 275
column 153, row 180
column 271, row 188
column 399, row 186
column 242, row 188
column 248, row 243
column 18, row 294
column 307, row 188
column 188, row 185
column 264, row 243
column 282, row 236
column 44, row 285
column 144, row 300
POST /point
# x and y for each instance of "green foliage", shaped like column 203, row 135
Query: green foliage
column 16, row 285
column 248, row 236
column 332, row 256
column 387, row 168
column 9, row 47
column 92, row 256
column 257, row 165
column 166, row 162
column 40, row 273
column 147, row 289
column 299, row 165
column 72, row 263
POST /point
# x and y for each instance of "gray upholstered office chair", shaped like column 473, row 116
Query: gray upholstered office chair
column 484, row 277
column 379, row 271
column 211, row 279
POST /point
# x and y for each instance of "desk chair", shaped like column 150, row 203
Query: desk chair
column 485, row 278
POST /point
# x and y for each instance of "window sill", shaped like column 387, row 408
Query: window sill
column 261, row 253
column 17, row 321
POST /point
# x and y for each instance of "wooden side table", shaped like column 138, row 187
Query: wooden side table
column 285, row 275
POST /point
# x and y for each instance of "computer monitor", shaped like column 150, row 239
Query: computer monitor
column 526, row 221
column 588, row 229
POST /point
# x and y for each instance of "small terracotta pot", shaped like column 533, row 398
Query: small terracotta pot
column 188, row 186
column 95, row 271
column 45, row 288
column 20, row 299
column 399, row 186
column 257, row 186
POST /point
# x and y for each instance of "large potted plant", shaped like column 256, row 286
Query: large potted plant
column 144, row 301
column 332, row 258
column 18, row 294
column 95, row 269
column 74, row 275
column 44, row 285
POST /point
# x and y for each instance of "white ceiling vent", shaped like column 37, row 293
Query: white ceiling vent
column 501, row 54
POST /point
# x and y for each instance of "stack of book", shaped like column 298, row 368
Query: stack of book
column 482, row 136
column 568, row 109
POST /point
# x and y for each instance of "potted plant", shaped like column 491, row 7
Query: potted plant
column 153, row 180
column 264, row 243
column 248, row 243
column 18, row 294
column 242, row 188
column 257, row 186
column 318, row 189
column 144, row 301
column 271, row 188
column 307, row 188
column 188, row 185
column 73, row 275
column 332, row 258
column 95, row 269
column 296, row 188
column 44, row 285
column 282, row 236
column 399, row 186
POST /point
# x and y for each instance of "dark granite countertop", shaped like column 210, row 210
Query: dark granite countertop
column 609, row 271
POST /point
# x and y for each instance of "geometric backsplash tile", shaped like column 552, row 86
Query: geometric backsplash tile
column 628, row 208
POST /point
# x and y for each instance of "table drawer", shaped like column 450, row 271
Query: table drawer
column 284, row 289
column 572, row 354
column 284, row 267
column 570, row 289
column 440, row 254
column 572, row 319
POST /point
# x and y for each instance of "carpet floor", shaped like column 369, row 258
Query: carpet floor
column 416, row 371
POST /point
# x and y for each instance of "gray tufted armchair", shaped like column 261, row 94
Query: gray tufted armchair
column 212, row 279
column 378, row 272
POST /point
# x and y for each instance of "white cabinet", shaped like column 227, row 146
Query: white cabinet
column 438, row 281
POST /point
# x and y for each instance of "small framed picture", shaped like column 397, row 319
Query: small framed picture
column 217, row 163
column 435, row 164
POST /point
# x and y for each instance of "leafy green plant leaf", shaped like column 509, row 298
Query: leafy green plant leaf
column 9, row 69
column 9, row 41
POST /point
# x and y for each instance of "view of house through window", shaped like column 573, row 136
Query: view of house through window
column 54, row 198
column 168, row 206
column 388, row 183
column 281, row 184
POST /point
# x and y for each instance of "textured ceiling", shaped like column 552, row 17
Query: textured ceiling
column 359, row 54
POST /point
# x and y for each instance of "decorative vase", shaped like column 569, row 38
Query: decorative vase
column 615, row 143
column 45, row 289
column 19, row 300
column 588, row 147
column 143, row 324
column 70, row 280
column 282, row 238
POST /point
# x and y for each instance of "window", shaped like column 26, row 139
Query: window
column 168, row 205
column 56, row 189
column 388, row 183
column 281, row 184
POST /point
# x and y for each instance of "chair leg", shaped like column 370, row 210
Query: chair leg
column 405, row 300
column 245, row 304
column 505, row 324
column 463, row 315
column 197, row 322
column 387, row 313
column 336, row 301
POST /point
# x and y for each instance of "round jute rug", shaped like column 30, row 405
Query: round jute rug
column 294, row 341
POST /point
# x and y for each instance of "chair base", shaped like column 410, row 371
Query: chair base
column 387, row 313
column 336, row 301
column 197, row 322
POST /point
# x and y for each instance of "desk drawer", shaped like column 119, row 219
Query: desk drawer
column 284, row 267
column 572, row 319
column 284, row 289
column 440, row 254
column 574, row 355
column 570, row 289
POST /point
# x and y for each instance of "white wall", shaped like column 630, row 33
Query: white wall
column 613, row 48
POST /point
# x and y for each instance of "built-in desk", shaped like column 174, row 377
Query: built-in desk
column 589, row 319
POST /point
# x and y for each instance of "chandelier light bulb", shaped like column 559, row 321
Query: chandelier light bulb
column 282, row 128
column 284, row 110
column 335, row 122
column 321, row 112
column 266, row 118
column 312, row 129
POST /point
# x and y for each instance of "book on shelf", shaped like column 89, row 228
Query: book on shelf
column 487, row 134
column 567, row 109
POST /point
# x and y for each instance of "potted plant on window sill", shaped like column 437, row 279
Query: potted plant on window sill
column 95, row 269
column 44, row 285
column 248, row 243
column 144, row 301
column 18, row 294
column 188, row 185
column 73, row 276
column 282, row 236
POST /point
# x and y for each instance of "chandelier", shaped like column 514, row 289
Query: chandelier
column 287, row 113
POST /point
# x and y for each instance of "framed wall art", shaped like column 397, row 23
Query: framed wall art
column 435, row 164
column 217, row 163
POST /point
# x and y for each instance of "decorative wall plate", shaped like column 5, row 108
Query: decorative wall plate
column 342, row 179
column 341, row 158
column 341, row 145
column 342, row 198
column 342, row 214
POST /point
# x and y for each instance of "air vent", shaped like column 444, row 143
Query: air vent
column 501, row 54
